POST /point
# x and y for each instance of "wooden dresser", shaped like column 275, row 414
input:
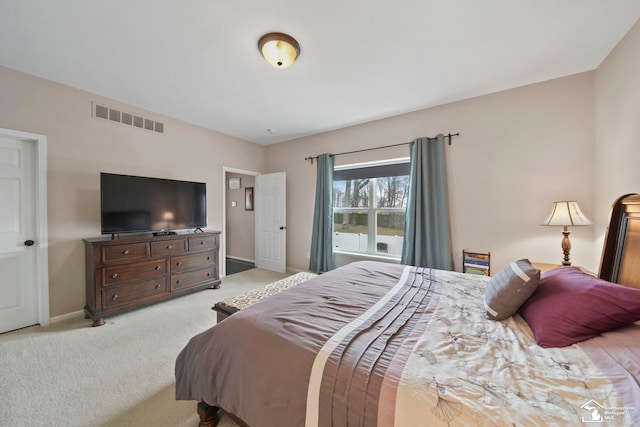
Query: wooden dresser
column 134, row 271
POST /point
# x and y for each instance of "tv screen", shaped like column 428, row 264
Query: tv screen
column 130, row 204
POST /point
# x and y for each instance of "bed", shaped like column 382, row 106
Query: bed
column 375, row 344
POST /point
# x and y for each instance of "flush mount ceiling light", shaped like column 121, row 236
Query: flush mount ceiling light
column 280, row 50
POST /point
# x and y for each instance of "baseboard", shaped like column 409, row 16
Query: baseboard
column 67, row 316
column 253, row 261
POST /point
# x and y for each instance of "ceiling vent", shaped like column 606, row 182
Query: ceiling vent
column 104, row 112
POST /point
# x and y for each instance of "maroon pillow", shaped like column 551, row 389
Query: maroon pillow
column 570, row 306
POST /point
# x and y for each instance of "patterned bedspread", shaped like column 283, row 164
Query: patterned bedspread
column 375, row 344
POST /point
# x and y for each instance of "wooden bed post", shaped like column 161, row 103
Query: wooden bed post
column 208, row 415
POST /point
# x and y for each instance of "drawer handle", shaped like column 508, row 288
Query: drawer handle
column 114, row 276
column 179, row 263
column 115, row 297
column 157, row 286
column 157, row 267
column 169, row 247
column 178, row 281
column 125, row 252
column 202, row 242
column 208, row 258
column 208, row 274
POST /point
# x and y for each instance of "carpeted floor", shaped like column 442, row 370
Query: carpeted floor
column 120, row 374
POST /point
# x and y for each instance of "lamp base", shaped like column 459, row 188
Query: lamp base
column 566, row 246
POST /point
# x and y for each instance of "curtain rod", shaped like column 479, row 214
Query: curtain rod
column 450, row 136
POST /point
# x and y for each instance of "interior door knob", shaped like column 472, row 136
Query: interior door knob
column 283, row 228
column 29, row 242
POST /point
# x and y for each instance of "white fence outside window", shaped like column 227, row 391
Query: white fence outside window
column 357, row 242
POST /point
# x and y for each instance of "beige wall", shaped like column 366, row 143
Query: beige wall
column 240, row 227
column 80, row 147
column 571, row 138
column 518, row 151
column 617, row 127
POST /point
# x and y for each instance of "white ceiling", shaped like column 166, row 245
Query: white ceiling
column 197, row 60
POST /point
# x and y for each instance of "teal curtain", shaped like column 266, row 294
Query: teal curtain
column 322, row 235
column 427, row 233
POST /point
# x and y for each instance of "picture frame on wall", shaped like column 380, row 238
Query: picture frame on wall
column 234, row 183
column 248, row 199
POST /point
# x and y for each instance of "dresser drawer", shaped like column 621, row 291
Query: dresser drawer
column 128, row 251
column 203, row 243
column 168, row 247
column 134, row 293
column 192, row 278
column 191, row 261
column 139, row 270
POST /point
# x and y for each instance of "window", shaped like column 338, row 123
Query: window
column 369, row 204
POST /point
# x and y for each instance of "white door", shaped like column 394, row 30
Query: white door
column 271, row 226
column 18, row 256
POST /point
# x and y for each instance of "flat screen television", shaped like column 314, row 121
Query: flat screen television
column 131, row 204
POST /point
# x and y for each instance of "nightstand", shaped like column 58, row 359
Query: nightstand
column 544, row 267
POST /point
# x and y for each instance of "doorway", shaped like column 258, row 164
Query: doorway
column 238, row 237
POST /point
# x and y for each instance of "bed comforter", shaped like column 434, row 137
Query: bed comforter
column 375, row 344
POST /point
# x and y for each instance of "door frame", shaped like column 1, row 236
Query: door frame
column 42, row 231
column 223, row 242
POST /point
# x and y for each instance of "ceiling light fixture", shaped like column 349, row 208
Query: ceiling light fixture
column 280, row 50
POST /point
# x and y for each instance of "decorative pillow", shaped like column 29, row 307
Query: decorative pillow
column 510, row 288
column 570, row 306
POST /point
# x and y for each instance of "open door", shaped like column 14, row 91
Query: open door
column 271, row 227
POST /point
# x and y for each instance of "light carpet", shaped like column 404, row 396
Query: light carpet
column 120, row 374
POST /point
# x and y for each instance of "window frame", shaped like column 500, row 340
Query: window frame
column 372, row 211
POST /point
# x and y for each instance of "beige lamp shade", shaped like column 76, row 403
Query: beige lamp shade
column 566, row 214
column 280, row 50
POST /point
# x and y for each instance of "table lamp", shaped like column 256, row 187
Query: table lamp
column 565, row 214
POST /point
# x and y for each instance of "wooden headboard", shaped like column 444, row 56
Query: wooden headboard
column 621, row 252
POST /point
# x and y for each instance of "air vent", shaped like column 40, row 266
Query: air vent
column 127, row 119
column 104, row 112
column 114, row 115
column 101, row 112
